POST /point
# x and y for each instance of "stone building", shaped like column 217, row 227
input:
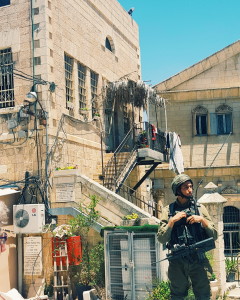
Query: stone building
column 206, row 97
column 56, row 59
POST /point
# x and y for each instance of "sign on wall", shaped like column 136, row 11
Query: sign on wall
column 33, row 255
column 65, row 192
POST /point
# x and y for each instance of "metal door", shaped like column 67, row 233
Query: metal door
column 131, row 269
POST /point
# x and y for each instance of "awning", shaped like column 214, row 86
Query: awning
column 8, row 191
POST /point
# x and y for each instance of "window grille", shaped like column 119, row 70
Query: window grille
column 94, row 84
column 37, row 61
column 131, row 265
column 231, row 231
column 6, row 79
column 81, row 86
column 69, row 80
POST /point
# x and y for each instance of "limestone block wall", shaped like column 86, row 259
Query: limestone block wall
column 111, row 206
column 224, row 74
column 199, row 151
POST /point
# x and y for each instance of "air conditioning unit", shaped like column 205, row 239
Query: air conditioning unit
column 28, row 218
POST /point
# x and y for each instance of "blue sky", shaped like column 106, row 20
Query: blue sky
column 175, row 34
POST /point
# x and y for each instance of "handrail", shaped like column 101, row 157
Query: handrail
column 142, row 136
column 141, row 201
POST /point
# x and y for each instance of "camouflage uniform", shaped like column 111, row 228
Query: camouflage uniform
column 182, row 269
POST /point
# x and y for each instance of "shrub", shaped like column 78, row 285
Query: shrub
column 162, row 292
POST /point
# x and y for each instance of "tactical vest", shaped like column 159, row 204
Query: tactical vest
column 182, row 232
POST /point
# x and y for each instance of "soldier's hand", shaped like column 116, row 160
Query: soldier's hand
column 194, row 219
column 197, row 219
column 177, row 217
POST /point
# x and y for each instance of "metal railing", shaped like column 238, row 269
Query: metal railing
column 142, row 135
column 139, row 200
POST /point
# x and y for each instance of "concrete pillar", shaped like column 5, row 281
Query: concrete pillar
column 214, row 204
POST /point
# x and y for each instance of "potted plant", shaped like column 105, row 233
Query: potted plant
column 83, row 275
column 131, row 220
column 231, row 268
column 83, row 111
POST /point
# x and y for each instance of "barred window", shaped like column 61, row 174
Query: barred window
column 82, row 86
column 94, row 84
column 231, row 231
column 69, row 80
column 6, row 79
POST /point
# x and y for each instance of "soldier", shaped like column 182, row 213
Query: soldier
column 184, row 222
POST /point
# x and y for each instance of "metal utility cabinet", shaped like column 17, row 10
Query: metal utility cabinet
column 130, row 262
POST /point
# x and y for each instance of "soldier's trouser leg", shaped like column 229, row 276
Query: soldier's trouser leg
column 178, row 276
column 199, row 279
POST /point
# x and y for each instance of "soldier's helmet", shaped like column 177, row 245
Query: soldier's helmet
column 178, row 181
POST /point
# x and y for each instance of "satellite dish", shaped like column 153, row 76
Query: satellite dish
column 22, row 218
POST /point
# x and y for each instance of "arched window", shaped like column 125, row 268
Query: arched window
column 231, row 231
column 109, row 44
column 221, row 120
column 200, row 114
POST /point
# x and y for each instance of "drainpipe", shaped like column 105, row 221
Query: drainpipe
column 32, row 23
column 20, row 262
column 47, row 161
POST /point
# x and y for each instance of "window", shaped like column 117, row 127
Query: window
column 231, row 230
column 201, row 124
column 221, row 120
column 200, row 120
column 36, row 11
column 69, row 80
column 81, row 86
column 6, row 79
column 4, row 2
column 94, row 84
column 109, row 44
column 37, row 61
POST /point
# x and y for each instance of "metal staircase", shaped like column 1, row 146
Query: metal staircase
column 139, row 147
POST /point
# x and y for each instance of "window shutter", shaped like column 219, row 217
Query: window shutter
column 213, row 123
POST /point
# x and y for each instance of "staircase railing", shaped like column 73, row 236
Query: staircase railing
column 142, row 135
column 115, row 166
column 132, row 196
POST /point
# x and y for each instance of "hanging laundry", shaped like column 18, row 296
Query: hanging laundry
column 3, row 240
column 175, row 155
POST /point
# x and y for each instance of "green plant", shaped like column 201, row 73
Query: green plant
column 162, row 292
column 212, row 277
column 90, row 271
column 231, row 265
column 82, row 223
column 211, row 274
column 133, row 216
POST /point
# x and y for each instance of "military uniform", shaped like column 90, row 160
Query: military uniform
column 181, row 269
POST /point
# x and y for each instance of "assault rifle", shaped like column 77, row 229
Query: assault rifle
column 199, row 248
